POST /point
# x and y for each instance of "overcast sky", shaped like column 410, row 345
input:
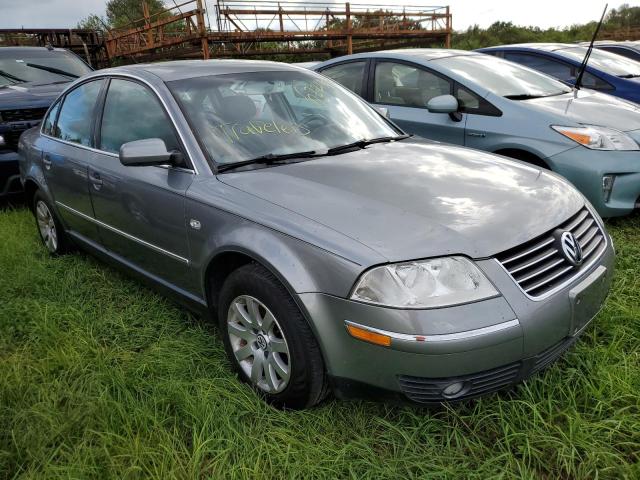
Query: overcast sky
column 542, row 13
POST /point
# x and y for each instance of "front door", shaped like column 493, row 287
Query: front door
column 140, row 210
column 405, row 89
column 65, row 155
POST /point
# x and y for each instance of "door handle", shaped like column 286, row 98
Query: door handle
column 46, row 161
column 477, row 134
column 96, row 181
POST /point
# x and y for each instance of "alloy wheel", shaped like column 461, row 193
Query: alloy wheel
column 47, row 226
column 258, row 344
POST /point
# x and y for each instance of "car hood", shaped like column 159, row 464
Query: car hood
column 28, row 95
column 415, row 199
column 591, row 108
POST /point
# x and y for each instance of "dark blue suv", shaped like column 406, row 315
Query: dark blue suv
column 31, row 78
column 606, row 72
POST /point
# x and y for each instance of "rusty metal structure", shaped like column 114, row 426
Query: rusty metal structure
column 89, row 44
column 240, row 28
column 258, row 28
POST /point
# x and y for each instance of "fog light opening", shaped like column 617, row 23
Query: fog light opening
column 455, row 390
column 607, row 186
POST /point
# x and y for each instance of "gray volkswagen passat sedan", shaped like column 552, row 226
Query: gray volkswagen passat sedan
column 337, row 253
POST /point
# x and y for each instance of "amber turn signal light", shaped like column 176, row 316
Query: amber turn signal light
column 369, row 336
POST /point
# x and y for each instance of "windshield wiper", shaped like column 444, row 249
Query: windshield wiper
column 269, row 158
column 52, row 70
column 523, row 96
column 11, row 77
column 631, row 75
column 363, row 143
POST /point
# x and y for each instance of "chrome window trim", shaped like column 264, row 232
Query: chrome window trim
column 124, row 234
column 158, row 96
column 442, row 337
column 114, row 155
column 583, row 271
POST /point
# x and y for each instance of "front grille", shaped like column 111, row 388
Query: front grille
column 23, row 114
column 430, row 390
column 538, row 266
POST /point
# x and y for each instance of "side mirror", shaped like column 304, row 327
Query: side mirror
column 443, row 104
column 140, row 153
column 384, row 111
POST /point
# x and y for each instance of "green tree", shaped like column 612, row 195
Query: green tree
column 120, row 13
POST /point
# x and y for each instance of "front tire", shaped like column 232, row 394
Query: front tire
column 268, row 341
column 52, row 234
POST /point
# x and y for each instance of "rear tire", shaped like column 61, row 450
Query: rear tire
column 268, row 341
column 52, row 234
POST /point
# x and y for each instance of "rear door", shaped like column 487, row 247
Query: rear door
column 141, row 210
column 349, row 74
column 405, row 88
column 67, row 151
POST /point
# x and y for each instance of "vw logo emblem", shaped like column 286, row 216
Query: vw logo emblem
column 262, row 342
column 571, row 248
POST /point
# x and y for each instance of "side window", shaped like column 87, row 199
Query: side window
column 472, row 103
column 625, row 52
column 556, row 69
column 132, row 112
column 349, row 75
column 401, row 84
column 468, row 101
column 50, row 120
column 76, row 115
column 591, row 81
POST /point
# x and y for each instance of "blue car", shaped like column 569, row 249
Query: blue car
column 486, row 103
column 606, row 72
column 626, row 49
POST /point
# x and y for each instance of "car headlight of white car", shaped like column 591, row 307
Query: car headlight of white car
column 598, row 138
column 436, row 282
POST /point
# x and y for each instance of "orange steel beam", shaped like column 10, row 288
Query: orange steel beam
column 319, row 13
column 157, row 23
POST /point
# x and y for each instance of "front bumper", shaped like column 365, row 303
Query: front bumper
column 486, row 345
column 9, row 173
column 586, row 169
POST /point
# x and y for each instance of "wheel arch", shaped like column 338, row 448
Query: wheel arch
column 30, row 189
column 519, row 153
column 225, row 261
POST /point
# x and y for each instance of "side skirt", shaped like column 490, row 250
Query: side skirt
column 193, row 303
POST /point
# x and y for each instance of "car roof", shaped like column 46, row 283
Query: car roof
column 181, row 69
column 547, row 47
column 18, row 50
column 425, row 53
column 412, row 54
column 627, row 43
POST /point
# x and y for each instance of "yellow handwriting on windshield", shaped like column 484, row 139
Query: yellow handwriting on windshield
column 234, row 131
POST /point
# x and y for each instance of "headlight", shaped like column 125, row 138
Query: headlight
column 598, row 138
column 436, row 282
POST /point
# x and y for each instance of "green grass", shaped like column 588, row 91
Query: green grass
column 103, row 378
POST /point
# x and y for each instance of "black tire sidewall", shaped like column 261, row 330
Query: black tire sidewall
column 307, row 370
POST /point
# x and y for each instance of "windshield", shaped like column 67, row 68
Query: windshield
column 503, row 78
column 608, row 62
column 15, row 69
column 242, row 116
